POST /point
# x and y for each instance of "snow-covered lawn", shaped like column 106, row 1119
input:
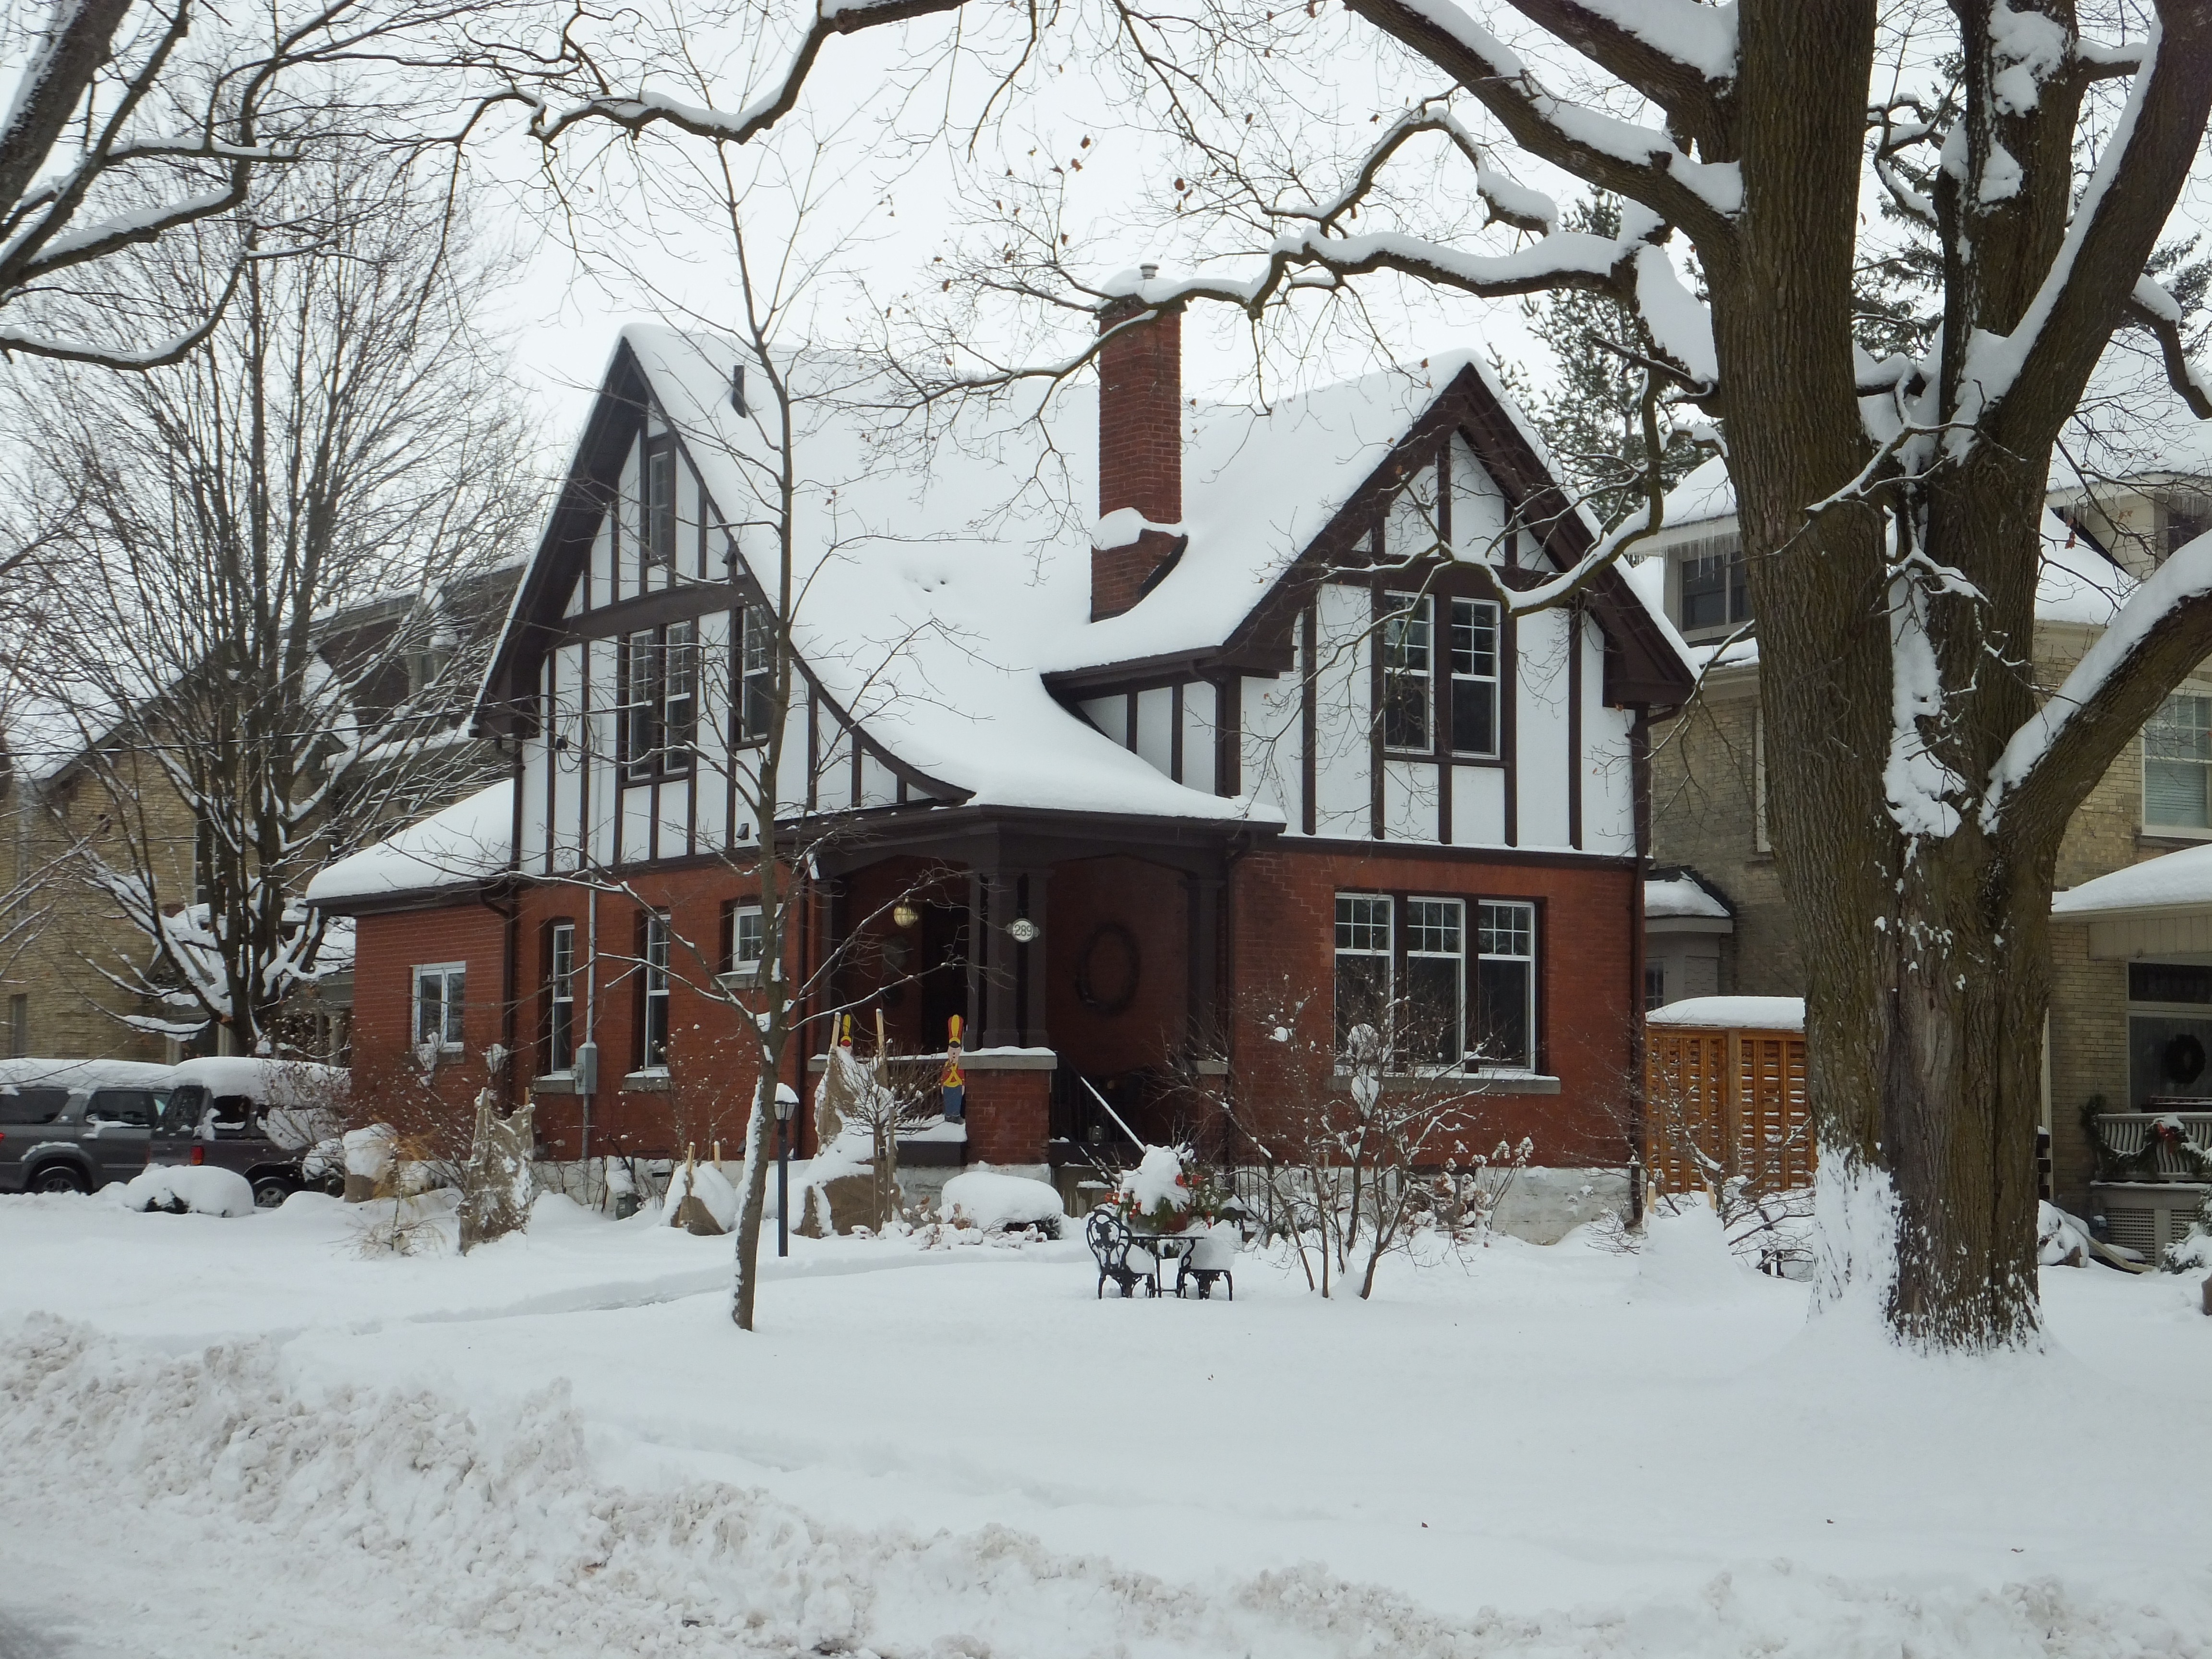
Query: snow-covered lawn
column 223, row 1437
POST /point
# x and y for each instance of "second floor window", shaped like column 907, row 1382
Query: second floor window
column 561, row 997
column 755, row 712
column 1714, row 593
column 2177, row 765
column 660, row 699
column 660, row 501
column 653, row 1044
column 1407, row 650
column 1473, row 677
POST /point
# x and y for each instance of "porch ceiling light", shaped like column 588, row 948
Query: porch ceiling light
column 1023, row 930
column 904, row 915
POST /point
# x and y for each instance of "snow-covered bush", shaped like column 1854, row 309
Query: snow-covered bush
column 1158, row 1196
column 710, row 1186
column 200, row 1189
column 993, row 1201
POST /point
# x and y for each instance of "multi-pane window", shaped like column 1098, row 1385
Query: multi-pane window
column 1438, row 994
column 660, row 502
column 437, row 991
column 1714, row 591
column 1654, row 985
column 653, row 1044
column 560, row 997
column 756, row 698
column 1473, row 677
column 1407, row 668
column 1363, row 963
column 2177, row 765
column 1435, row 1015
column 660, row 699
column 1504, row 1014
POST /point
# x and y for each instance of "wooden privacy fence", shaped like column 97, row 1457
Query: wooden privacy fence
column 1721, row 1102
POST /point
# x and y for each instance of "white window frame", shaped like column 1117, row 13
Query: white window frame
column 753, row 712
column 661, row 524
column 1726, row 546
column 1402, row 614
column 660, row 934
column 1387, row 954
column 1484, row 929
column 1494, row 743
column 452, row 1007
column 2152, row 826
column 746, row 968
column 560, row 992
column 1451, row 914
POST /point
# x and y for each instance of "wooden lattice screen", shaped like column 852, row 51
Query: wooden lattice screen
column 1719, row 1104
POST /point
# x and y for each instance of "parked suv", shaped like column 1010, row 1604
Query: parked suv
column 264, row 1118
column 74, row 1125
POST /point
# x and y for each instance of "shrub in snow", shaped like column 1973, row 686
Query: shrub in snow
column 369, row 1153
column 201, row 1190
column 699, row 1199
column 495, row 1181
column 994, row 1201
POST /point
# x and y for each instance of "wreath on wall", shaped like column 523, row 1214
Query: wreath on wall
column 1107, row 968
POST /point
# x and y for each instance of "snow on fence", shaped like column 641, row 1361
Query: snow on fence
column 1724, row 1095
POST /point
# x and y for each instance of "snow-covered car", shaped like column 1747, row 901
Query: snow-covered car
column 269, row 1120
column 74, row 1125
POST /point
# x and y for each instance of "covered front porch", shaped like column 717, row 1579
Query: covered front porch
column 2132, row 987
column 1086, row 957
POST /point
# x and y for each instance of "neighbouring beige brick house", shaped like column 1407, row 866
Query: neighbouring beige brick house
column 64, row 944
column 2126, row 985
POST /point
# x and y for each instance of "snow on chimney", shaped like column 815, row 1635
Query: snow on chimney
column 1140, row 450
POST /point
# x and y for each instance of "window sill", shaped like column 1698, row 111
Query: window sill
column 653, row 1080
column 1482, row 1082
column 554, row 1082
column 2168, row 836
column 739, row 979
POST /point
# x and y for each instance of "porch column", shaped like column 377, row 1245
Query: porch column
column 1032, row 959
column 1202, row 982
column 995, row 952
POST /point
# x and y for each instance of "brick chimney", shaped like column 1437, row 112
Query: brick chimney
column 1139, row 446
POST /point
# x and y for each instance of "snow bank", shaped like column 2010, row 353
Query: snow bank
column 493, row 1526
column 202, row 1189
column 989, row 1197
column 1686, row 1256
column 1734, row 1013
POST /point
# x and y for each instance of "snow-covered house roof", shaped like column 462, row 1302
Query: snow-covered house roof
column 2172, row 882
column 467, row 843
column 1680, row 894
column 946, row 592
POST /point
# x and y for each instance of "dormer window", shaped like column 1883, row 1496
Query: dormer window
column 1716, row 598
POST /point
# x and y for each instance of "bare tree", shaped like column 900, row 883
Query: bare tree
column 275, row 579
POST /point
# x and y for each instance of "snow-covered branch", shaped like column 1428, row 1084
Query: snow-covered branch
column 1643, row 164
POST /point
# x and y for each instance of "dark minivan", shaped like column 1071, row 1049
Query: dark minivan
column 274, row 1121
column 72, row 1126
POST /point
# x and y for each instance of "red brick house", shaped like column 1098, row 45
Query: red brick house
column 1158, row 797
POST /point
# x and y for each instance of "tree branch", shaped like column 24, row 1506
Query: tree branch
column 1638, row 162
column 2153, row 309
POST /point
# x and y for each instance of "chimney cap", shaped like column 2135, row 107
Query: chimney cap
column 1149, row 270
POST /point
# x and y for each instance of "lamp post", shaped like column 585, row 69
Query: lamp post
column 785, row 1099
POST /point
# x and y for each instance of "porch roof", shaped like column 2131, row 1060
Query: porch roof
column 2176, row 883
